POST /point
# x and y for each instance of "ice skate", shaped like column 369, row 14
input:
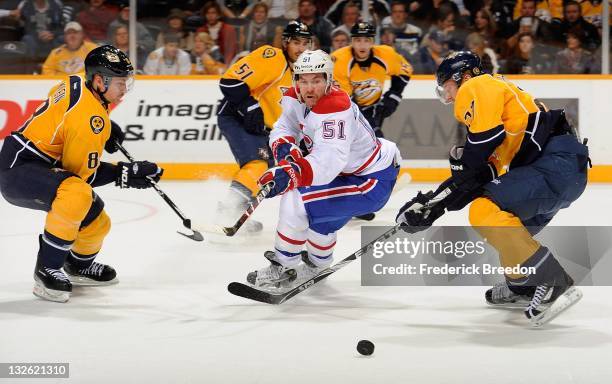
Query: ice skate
column 502, row 296
column 51, row 284
column 551, row 299
column 274, row 276
column 96, row 274
column 307, row 269
column 230, row 210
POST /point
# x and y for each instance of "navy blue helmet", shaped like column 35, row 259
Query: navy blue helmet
column 456, row 64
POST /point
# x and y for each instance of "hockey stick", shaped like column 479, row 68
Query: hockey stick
column 231, row 231
column 196, row 236
column 252, row 293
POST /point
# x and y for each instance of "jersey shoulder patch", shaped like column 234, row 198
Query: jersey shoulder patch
column 335, row 101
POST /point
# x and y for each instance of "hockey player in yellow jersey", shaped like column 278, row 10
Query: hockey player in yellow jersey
column 252, row 90
column 519, row 166
column 361, row 70
column 54, row 160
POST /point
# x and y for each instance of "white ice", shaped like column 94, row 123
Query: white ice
column 171, row 320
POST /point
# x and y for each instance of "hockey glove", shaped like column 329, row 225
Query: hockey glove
column 416, row 215
column 138, row 174
column 390, row 101
column 284, row 148
column 116, row 135
column 467, row 180
column 285, row 177
column 252, row 117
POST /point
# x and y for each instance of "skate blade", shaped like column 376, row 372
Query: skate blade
column 87, row 282
column 563, row 303
column 516, row 305
column 39, row 290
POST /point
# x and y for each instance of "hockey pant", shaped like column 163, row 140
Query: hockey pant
column 76, row 223
column 311, row 216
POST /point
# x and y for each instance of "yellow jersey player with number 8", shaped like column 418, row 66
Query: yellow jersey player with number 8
column 54, row 160
column 253, row 88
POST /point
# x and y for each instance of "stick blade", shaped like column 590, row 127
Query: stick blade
column 252, row 293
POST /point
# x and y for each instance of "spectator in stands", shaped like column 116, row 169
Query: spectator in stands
column 541, row 30
column 206, row 59
column 339, row 39
column 169, row 59
column 573, row 20
column 592, row 11
column 69, row 58
column 121, row 40
column 258, row 31
column 476, row 43
column 223, row 34
column 282, row 10
column 425, row 12
column 175, row 25
column 144, row 40
column 236, row 9
column 525, row 58
column 407, row 36
column 445, row 23
column 42, row 26
column 574, row 59
column 543, row 9
column 14, row 13
column 95, row 20
column 430, row 55
column 319, row 26
column 379, row 9
column 350, row 16
column 485, row 25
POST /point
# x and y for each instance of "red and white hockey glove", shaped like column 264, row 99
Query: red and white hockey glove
column 285, row 177
column 285, row 148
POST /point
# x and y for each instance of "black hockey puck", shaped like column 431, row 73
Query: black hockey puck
column 365, row 347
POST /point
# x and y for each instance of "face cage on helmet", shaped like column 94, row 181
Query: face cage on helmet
column 286, row 40
column 441, row 93
column 106, row 80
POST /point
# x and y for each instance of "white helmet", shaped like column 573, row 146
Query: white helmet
column 314, row 62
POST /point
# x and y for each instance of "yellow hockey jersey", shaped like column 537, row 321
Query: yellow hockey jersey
column 489, row 106
column 365, row 85
column 268, row 75
column 71, row 127
column 62, row 61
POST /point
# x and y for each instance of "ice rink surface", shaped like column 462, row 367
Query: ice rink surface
column 171, row 320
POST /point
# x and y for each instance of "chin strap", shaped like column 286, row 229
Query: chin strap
column 89, row 85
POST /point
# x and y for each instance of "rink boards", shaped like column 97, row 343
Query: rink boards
column 172, row 120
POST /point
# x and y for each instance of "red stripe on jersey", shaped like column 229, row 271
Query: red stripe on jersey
column 321, row 247
column 290, row 240
column 335, row 101
column 368, row 161
column 291, row 93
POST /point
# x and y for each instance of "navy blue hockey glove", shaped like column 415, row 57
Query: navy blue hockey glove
column 116, row 135
column 417, row 215
column 138, row 174
column 252, row 117
column 285, row 148
column 389, row 104
column 469, row 178
column 285, row 177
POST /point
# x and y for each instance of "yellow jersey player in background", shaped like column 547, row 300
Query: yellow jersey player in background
column 54, row 160
column 519, row 166
column 361, row 70
column 252, row 90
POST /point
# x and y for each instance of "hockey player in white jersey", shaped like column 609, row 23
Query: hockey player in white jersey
column 347, row 172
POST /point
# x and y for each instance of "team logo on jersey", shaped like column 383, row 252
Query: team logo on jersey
column 268, row 53
column 97, row 124
column 366, row 91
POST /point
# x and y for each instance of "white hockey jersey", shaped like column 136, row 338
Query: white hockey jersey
column 338, row 137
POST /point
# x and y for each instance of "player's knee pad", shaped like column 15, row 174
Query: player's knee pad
column 292, row 213
column 72, row 202
column 249, row 173
column 320, row 247
column 95, row 209
column 89, row 239
column 482, row 212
